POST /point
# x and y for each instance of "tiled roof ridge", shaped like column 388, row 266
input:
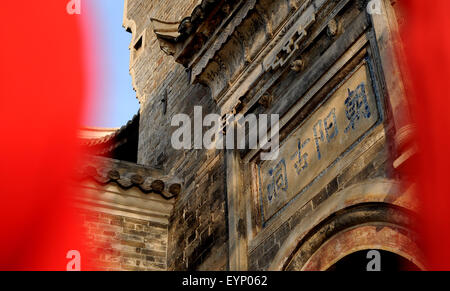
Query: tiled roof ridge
column 127, row 175
column 108, row 138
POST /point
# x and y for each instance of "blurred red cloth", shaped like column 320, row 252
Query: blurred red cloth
column 41, row 96
column 426, row 36
column 42, row 85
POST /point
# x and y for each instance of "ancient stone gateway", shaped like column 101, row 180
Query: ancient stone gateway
column 369, row 216
column 329, row 70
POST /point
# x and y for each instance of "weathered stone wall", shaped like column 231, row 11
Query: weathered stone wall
column 126, row 228
column 339, row 40
column 198, row 227
column 148, row 64
column 124, row 243
column 368, row 159
column 370, row 165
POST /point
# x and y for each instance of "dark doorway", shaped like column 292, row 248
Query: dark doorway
column 358, row 261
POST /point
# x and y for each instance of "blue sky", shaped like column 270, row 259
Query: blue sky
column 118, row 102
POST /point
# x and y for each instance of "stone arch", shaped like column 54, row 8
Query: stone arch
column 378, row 236
column 377, row 205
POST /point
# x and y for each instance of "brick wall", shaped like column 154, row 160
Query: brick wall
column 197, row 235
column 198, row 226
column 124, row 243
column 149, row 65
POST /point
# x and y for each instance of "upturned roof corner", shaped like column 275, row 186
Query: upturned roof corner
column 183, row 39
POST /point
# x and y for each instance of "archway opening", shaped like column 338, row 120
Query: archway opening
column 359, row 261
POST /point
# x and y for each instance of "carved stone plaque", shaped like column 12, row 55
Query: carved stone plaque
column 319, row 141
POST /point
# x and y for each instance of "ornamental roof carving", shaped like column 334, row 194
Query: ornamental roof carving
column 182, row 38
column 238, row 42
column 127, row 175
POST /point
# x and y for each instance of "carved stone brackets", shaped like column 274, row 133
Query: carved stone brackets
column 251, row 51
column 167, row 33
column 290, row 42
column 254, row 37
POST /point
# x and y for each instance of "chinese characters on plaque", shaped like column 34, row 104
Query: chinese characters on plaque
column 336, row 125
